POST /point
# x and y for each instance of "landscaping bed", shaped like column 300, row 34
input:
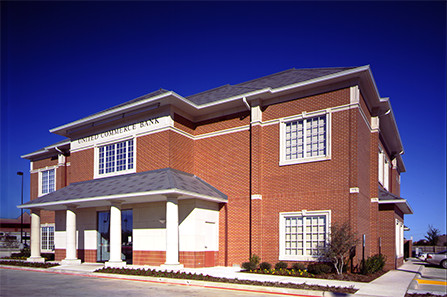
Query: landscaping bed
column 353, row 277
column 201, row 277
column 27, row 264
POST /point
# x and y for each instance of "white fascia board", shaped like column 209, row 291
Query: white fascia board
column 123, row 196
column 401, row 203
column 219, row 102
column 119, row 110
column 288, row 87
column 45, row 150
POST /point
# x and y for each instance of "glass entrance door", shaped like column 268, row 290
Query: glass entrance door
column 103, row 250
column 126, row 235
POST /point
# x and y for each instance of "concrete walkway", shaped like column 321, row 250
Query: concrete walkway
column 394, row 283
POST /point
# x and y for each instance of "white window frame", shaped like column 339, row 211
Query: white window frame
column 48, row 242
column 304, row 117
column 384, row 169
column 114, row 173
column 40, row 183
column 282, row 233
column 399, row 233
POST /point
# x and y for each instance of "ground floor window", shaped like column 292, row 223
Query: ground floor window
column 303, row 234
column 47, row 238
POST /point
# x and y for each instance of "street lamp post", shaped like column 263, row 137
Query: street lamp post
column 21, row 210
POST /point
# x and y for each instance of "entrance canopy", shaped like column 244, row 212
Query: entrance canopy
column 149, row 186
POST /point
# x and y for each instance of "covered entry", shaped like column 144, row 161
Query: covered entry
column 158, row 214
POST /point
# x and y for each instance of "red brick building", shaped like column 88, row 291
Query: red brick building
column 262, row 167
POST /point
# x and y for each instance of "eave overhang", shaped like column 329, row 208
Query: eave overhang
column 130, row 198
column 48, row 151
column 401, row 203
column 362, row 76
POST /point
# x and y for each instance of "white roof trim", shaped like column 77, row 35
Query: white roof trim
column 173, row 191
column 401, row 203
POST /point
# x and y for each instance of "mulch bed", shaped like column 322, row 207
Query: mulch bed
column 353, row 277
column 27, row 264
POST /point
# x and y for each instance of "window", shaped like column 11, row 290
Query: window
column 47, row 238
column 303, row 234
column 116, row 157
column 47, row 181
column 304, row 140
column 384, row 166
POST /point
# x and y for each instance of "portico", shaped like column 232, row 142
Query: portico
column 184, row 199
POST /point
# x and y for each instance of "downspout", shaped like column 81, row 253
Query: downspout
column 250, row 213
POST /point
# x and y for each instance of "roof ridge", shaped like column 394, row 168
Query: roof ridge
column 208, row 90
column 269, row 75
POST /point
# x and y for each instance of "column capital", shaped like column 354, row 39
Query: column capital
column 116, row 203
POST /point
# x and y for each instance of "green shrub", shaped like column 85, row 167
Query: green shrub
column 265, row 265
column 319, row 268
column 249, row 266
column 373, row 264
column 281, row 265
column 298, row 266
column 255, row 259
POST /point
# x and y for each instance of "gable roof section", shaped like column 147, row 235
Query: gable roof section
column 276, row 80
column 164, row 181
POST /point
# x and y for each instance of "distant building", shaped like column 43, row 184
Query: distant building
column 10, row 230
column 262, row 167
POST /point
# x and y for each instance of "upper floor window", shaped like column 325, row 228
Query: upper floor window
column 304, row 140
column 116, row 157
column 384, row 165
column 48, row 183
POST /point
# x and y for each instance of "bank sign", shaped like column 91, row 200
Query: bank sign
column 133, row 129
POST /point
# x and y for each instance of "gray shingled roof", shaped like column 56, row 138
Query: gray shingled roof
column 149, row 181
column 280, row 79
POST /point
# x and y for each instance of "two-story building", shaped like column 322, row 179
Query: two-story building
column 262, row 167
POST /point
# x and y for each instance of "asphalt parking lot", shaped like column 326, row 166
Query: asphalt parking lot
column 39, row 283
column 433, row 279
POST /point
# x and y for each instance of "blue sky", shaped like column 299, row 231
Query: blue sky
column 61, row 61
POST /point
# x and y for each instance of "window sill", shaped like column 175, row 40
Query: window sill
column 298, row 258
column 304, row 160
column 116, row 173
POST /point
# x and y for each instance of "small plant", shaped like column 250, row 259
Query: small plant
column 265, row 266
column 252, row 264
column 319, row 268
column 298, row 266
column 249, row 266
column 373, row 264
column 255, row 259
column 281, row 265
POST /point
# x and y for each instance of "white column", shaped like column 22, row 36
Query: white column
column 70, row 252
column 172, row 233
column 115, row 237
column 35, row 237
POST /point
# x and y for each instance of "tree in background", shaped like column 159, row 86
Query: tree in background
column 432, row 235
column 342, row 239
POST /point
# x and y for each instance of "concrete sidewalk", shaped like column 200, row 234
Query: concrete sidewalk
column 394, row 283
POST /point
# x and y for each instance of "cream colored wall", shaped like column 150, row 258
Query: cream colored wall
column 149, row 233
column 198, row 226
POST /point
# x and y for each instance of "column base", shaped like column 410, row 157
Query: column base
column 71, row 262
column 177, row 266
column 36, row 259
column 113, row 264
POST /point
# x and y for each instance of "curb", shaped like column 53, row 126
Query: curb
column 190, row 283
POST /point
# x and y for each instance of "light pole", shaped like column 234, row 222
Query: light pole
column 21, row 210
